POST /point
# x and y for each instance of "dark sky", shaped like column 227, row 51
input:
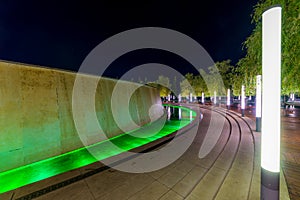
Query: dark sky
column 60, row 35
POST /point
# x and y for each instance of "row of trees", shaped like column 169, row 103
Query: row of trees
column 244, row 73
column 246, row 70
column 208, row 82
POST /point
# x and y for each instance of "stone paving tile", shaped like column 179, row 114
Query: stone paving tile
column 172, row 177
column 158, row 173
column 106, row 182
column 208, row 186
column 129, row 187
column 236, row 185
column 152, row 192
column 171, row 195
column 186, row 185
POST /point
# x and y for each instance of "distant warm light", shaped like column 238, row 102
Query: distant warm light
column 271, row 86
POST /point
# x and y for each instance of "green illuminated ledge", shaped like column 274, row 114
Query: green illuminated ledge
column 21, row 176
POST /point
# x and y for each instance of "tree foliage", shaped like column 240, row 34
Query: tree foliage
column 251, row 64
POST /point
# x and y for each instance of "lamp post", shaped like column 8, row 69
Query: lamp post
column 228, row 98
column 215, row 97
column 258, row 103
column 271, row 86
column 243, row 101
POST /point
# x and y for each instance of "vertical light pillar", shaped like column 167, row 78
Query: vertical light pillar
column 202, row 100
column 169, row 98
column 271, row 86
column 179, row 98
column 293, row 99
column 169, row 112
column 179, row 113
column 215, row 97
column 243, row 101
column 191, row 97
column 228, row 98
column 258, row 103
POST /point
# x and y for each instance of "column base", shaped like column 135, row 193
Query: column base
column 258, row 124
column 269, row 185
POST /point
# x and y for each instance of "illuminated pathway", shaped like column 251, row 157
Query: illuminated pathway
column 230, row 171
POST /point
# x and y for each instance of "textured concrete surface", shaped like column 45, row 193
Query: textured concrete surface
column 36, row 119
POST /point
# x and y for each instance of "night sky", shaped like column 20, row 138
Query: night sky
column 61, row 35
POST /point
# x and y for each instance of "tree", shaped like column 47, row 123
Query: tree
column 163, row 84
column 251, row 64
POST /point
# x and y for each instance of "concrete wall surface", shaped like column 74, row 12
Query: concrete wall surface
column 36, row 113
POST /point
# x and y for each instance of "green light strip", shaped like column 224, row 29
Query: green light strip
column 24, row 175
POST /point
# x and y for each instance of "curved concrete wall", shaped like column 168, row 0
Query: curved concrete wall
column 36, row 120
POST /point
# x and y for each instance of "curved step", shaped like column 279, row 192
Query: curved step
column 212, row 182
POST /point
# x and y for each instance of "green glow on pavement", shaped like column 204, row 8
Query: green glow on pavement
column 21, row 176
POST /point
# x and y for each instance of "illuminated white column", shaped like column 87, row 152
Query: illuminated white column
column 179, row 98
column 202, row 100
column 258, row 103
column 169, row 97
column 293, row 99
column 169, row 112
column 179, row 113
column 239, row 97
column 215, row 97
column 191, row 97
column 243, row 101
column 271, row 86
column 228, row 98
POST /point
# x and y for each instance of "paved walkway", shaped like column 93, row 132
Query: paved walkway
column 290, row 147
column 230, row 171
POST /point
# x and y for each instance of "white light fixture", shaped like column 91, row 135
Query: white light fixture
column 179, row 98
column 258, row 103
column 202, row 100
column 271, row 86
column 228, row 98
column 191, row 97
column 243, row 100
column 215, row 97
column 179, row 113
